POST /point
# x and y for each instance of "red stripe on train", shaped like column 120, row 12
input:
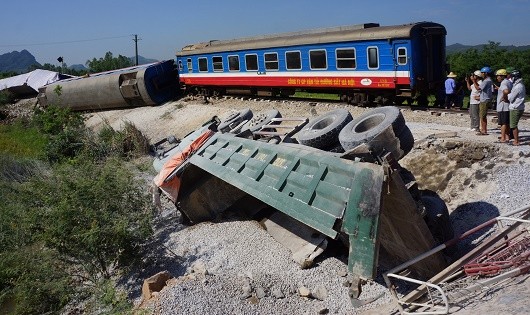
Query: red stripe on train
column 319, row 82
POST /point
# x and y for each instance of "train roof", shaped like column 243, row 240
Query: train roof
column 360, row 32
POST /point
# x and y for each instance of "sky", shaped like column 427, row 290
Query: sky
column 82, row 30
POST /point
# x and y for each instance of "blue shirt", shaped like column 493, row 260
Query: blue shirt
column 450, row 86
column 485, row 90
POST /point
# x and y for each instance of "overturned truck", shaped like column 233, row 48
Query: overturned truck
column 304, row 195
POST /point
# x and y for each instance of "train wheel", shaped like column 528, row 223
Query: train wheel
column 323, row 131
column 217, row 93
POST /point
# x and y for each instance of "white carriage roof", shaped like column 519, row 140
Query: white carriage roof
column 31, row 80
column 368, row 31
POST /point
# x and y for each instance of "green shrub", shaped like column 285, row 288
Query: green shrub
column 112, row 299
column 96, row 214
column 65, row 130
column 127, row 143
column 82, row 216
column 22, row 141
column 6, row 97
column 34, row 281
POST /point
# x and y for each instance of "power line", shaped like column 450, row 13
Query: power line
column 65, row 42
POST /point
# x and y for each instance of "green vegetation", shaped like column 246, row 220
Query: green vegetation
column 73, row 213
column 5, row 97
column 20, row 141
column 464, row 63
column 108, row 63
column 322, row 96
column 60, row 69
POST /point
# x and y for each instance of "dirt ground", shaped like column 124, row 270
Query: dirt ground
column 447, row 158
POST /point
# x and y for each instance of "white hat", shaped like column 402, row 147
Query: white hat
column 478, row 73
column 451, row 75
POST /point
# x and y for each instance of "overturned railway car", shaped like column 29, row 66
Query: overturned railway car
column 363, row 63
column 150, row 84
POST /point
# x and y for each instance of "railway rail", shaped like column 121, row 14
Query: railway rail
column 314, row 101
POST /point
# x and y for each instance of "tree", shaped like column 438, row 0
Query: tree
column 492, row 55
column 108, row 63
column 66, row 70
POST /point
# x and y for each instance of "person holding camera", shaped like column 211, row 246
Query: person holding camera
column 485, row 90
column 474, row 98
column 503, row 110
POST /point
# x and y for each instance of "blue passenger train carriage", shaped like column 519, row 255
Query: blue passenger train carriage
column 363, row 63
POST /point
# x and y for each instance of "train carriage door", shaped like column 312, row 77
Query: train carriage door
column 401, row 61
column 432, row 48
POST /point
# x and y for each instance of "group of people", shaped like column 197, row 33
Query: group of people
column 511, row 94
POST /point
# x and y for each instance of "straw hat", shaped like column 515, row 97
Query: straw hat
column 451, row 75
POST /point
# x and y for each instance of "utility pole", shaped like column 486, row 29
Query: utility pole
column 136, row 39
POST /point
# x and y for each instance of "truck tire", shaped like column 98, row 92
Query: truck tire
column 406, row 140
column 261, row 119
column 323, row 131
column 234, row 119
column 437, row 216
column 382, row 129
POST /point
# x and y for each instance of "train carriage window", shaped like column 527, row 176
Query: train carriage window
column 373, row 57
column 180, row 65
column 271, row 61
column 251, row 62
column 233, row 63
column 203, row 64
column 293, row 60
column 346, row 58
column 190, row 65
column 402, row 56
column 317, row 59
column 217, row 63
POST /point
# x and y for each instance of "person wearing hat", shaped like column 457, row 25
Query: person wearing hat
column 516, row 98
column 485, row 90
column 474, row 98
column 450, row 89
column 503, row 110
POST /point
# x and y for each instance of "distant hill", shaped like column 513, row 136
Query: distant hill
column 78, row 67
column 454, row 48
column 142, row 60
column 17, row 61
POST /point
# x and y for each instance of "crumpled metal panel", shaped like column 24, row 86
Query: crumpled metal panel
column 330, row 194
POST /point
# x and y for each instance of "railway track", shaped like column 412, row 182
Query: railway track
column 314, row 101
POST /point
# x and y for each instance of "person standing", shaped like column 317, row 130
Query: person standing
column 450, row 90
column 485, row 90
column 503, row 110
column 516, row 99
column 474, row 99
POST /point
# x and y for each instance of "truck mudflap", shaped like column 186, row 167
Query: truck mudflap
column 331, row 195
